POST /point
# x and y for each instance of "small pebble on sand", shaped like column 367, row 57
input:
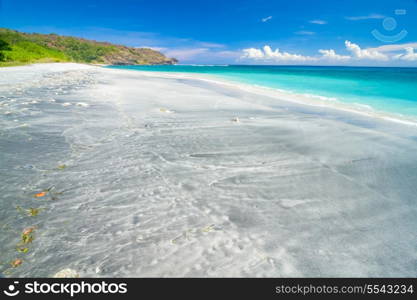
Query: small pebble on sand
column 67, row 273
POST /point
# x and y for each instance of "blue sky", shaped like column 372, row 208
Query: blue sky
column 320, row 32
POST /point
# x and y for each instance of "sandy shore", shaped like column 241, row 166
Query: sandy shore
column 175, row 176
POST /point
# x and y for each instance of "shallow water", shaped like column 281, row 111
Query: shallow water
column 160, row 181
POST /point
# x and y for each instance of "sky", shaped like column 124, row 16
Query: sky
column 282, row 32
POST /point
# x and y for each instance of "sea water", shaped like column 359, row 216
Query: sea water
column 389, row 90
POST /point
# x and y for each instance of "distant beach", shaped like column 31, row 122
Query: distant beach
column 148, row 174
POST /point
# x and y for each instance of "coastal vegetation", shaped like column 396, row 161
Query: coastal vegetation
column 17, row 48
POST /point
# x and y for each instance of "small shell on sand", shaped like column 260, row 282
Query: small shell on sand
column 67, row 273
column 82, row 104
column 164, row 110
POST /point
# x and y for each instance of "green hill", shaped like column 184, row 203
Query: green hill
column 18, row 48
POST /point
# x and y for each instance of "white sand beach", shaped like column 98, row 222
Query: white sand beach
column 178, row 176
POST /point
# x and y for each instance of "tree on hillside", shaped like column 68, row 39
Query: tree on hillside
column 3, row 47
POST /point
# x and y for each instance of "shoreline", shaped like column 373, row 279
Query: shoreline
column 286, row 95
column 279, row 94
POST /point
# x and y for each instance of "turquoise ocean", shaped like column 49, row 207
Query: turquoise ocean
column 386, row 90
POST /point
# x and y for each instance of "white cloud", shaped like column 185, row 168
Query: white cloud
column 201, row 55
column 368, row 54
column 267, row 54
column 394, row 47
column 211, row 45
column 318, row 22
column 227, row 54
column 198, row 51
column 253, row 53
column 332, row 56
column 371, row 16
column 304, row 32
column 266, row 19
column 409, row 55
column 184, row 54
